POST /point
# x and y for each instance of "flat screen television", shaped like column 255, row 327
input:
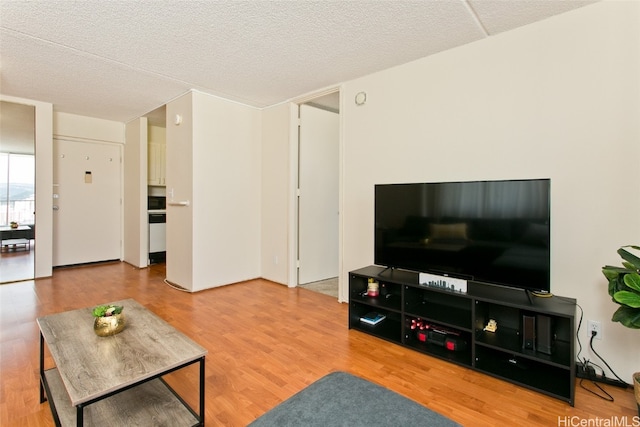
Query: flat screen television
column 494, row 232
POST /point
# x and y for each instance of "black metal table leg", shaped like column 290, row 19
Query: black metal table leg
column 202, row 405
column 80, row 415
column 43, row 398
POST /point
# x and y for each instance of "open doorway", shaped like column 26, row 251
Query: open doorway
column 17, row 192
column 318, row 194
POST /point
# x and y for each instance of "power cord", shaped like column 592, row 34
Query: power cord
column 578, row 332
column 607, row 396
column 174, row 286
column 589, row 371
column 593, row 335
column 586, row 367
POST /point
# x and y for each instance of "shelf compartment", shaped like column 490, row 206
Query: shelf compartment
column 509, row 340
column 515, row 368
column 504, row 338
column 153, row 400
column 461, row 357
column 389, row 298
column 508, row 335
column 447, row 309
column 389, row 329
column 508, row 318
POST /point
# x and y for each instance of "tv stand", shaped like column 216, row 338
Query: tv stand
column 385, row 269
column 528, row 292
column 457, row 327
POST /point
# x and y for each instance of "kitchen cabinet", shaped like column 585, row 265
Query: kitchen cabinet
column 156, row 155
column 156, row 165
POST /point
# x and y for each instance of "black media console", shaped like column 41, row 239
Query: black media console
column 533, row 344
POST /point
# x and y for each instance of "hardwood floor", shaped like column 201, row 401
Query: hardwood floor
column 17, row 264
column 265, row 342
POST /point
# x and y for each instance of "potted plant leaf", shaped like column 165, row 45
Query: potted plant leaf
column 624, row 289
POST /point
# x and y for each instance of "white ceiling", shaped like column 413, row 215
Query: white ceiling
column 121, row 59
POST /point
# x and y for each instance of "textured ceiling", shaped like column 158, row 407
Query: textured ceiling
column 119, row 60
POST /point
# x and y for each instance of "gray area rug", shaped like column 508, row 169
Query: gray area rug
column 341, row 399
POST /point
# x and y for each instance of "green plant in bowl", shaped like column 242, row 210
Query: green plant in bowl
column 107, row 310
column 109, row 320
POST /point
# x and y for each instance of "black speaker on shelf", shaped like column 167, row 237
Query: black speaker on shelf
column 528, row 332
column 545, row 337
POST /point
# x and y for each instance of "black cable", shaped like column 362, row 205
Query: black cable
column 597, row 366
column 586, row 362
column 578, row 333
column 608, row 397
column 593, row 335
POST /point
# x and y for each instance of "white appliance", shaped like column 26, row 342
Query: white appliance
column 157, row 237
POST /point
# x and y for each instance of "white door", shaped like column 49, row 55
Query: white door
column 86, row 191
column 318, row 201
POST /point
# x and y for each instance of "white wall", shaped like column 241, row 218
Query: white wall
column 275, row 193
column 213, row 161
column 179, row 178
column 226, row 191
column 73, row 126
column 135, row 218
column 558, row 99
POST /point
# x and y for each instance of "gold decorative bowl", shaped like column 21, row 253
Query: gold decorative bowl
column 108, row 325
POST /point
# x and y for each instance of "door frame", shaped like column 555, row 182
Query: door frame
column 43, row 262
column 294, row 165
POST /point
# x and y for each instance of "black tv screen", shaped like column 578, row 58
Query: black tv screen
column 493, row 232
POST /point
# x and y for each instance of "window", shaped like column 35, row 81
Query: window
column 17, row 188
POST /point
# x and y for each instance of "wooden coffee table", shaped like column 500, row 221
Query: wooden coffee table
column 117, row 380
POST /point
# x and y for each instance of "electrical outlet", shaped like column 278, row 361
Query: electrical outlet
column 594, row 326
